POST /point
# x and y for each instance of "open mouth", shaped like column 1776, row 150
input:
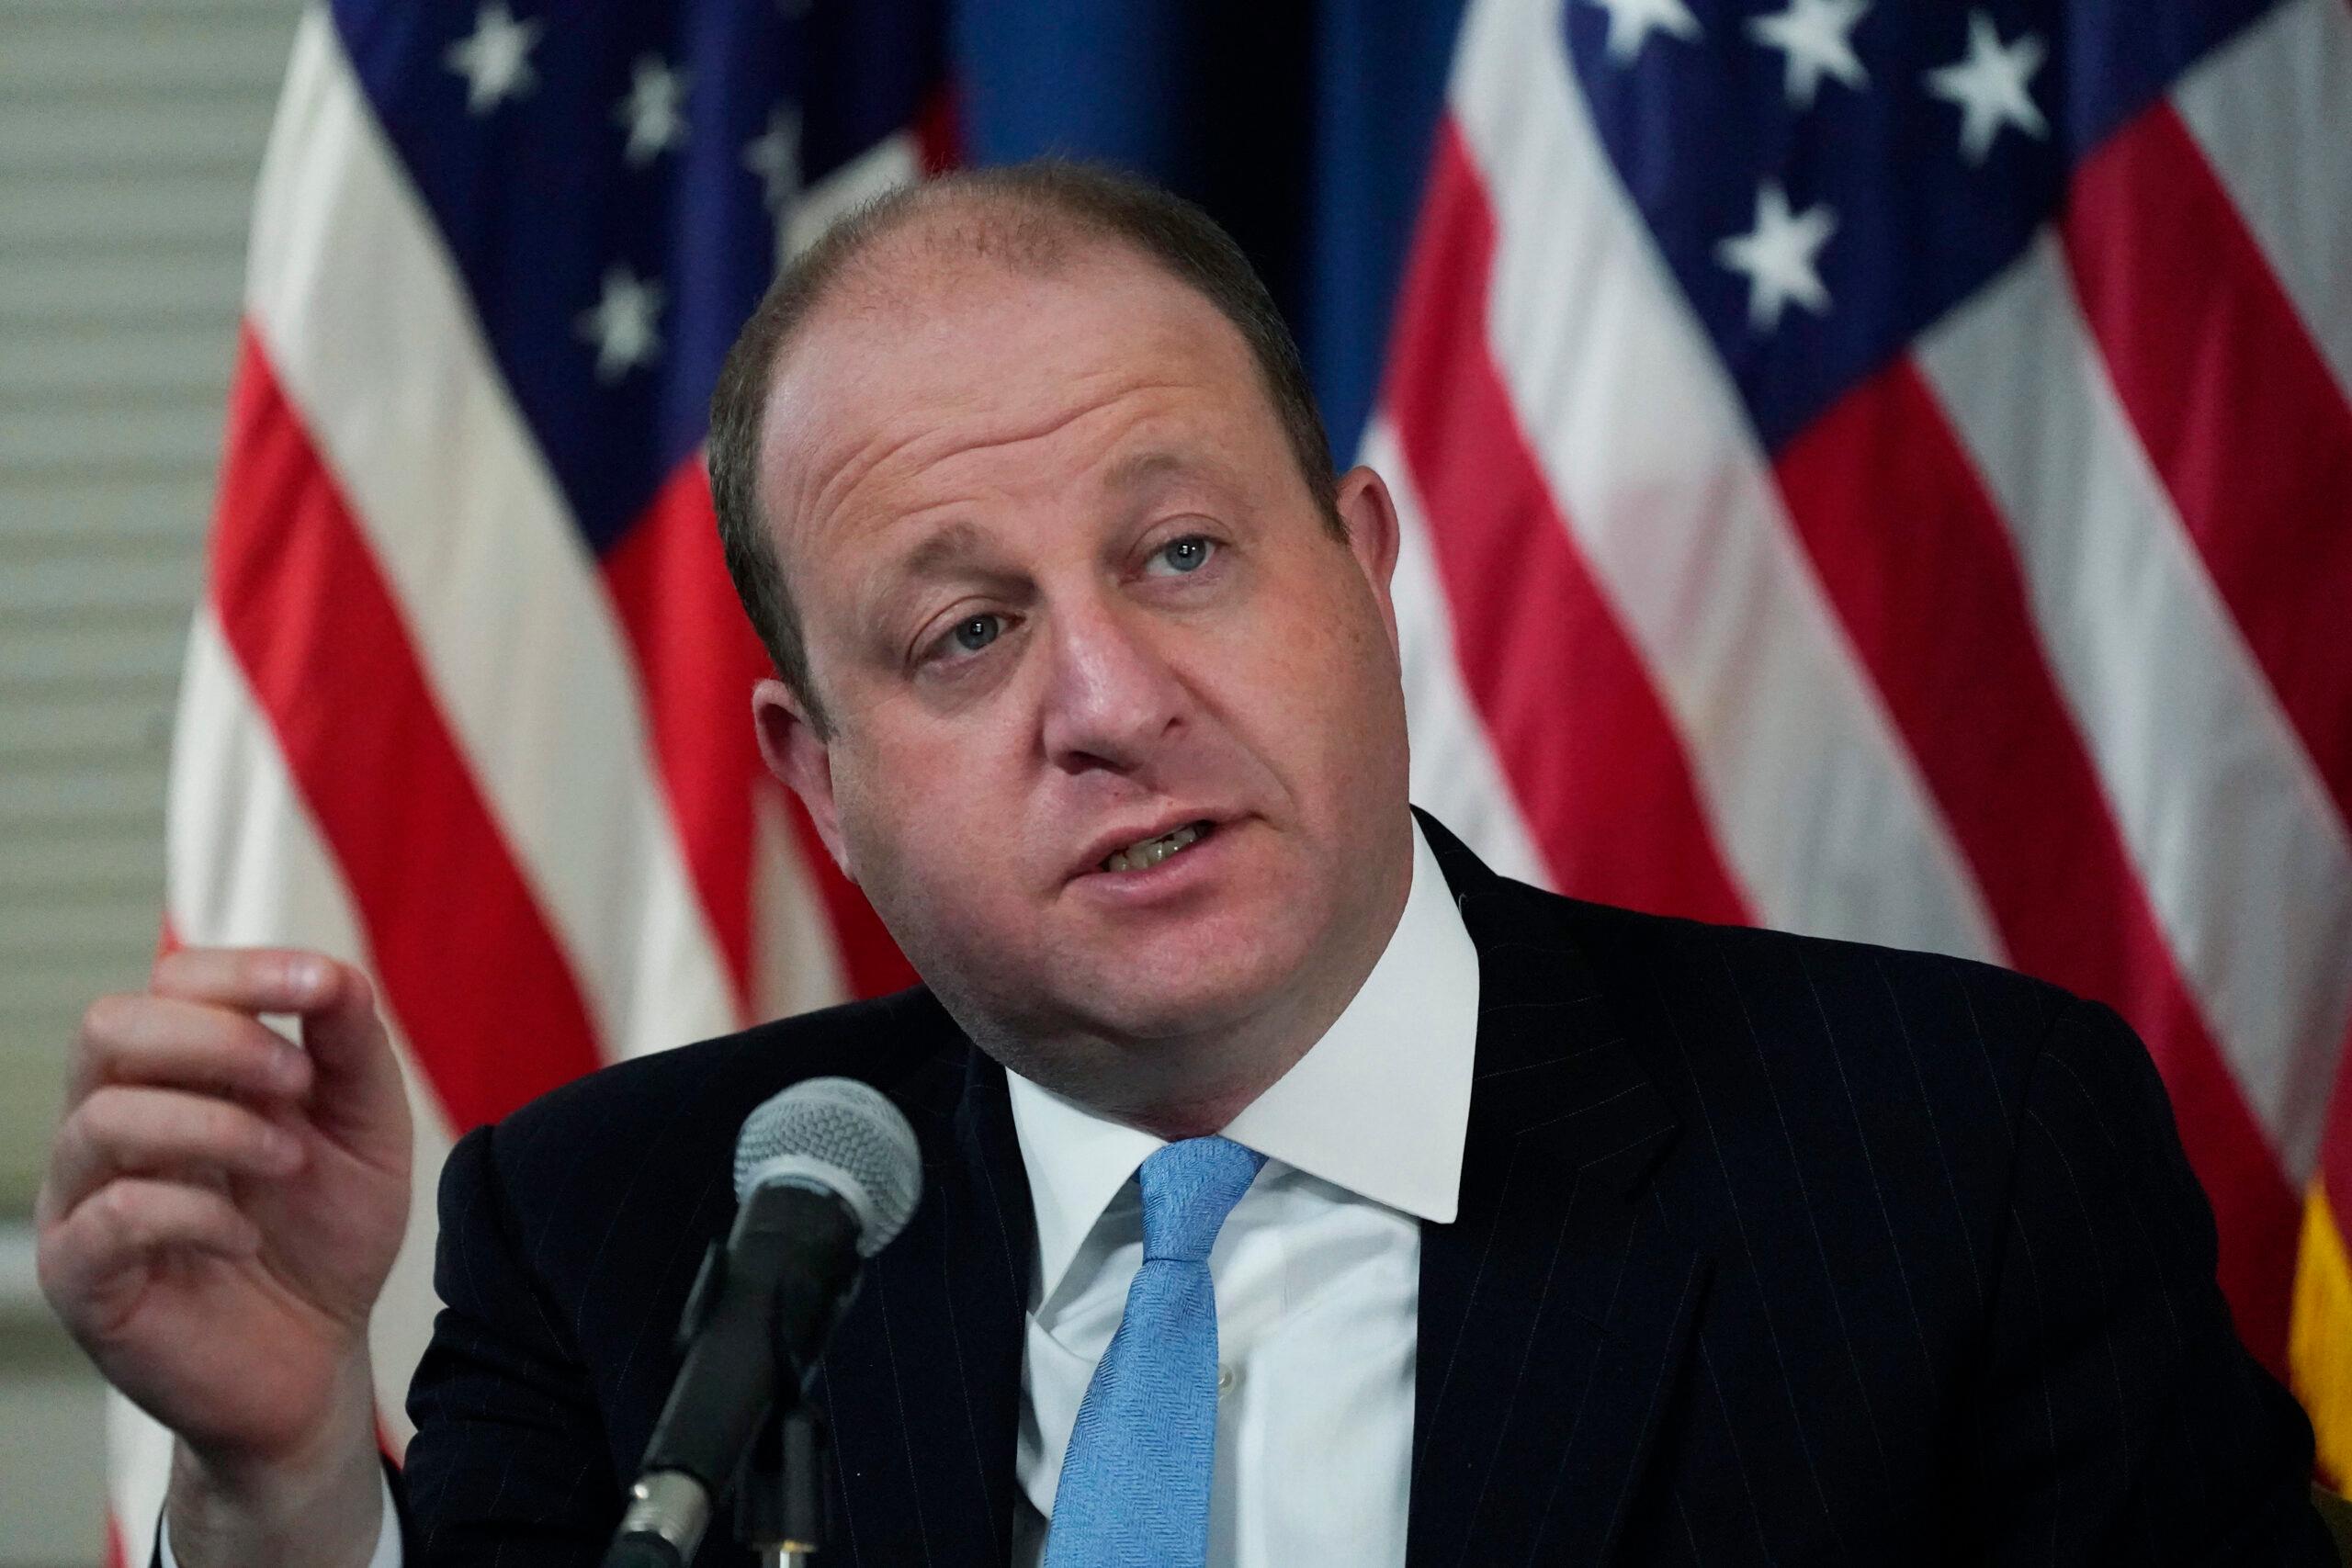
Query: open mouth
column 1149, row 852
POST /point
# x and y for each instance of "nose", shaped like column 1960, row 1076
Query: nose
column 1112, row 698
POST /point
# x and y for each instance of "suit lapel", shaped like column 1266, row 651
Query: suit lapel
column 1554, row 1311
column 923, row 1380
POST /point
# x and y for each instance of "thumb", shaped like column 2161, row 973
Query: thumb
column 356, row 1089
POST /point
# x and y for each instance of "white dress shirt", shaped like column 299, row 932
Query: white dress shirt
column 1318, row 1269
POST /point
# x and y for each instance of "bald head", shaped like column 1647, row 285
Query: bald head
column 910, row 248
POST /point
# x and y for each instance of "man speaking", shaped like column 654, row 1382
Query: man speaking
column 1505, row 1228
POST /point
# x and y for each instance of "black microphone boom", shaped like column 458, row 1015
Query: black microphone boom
column 785, row 1273
column 827, row 1173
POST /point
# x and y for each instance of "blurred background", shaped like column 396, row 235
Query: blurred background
column 129, row 135
column 1876, row 468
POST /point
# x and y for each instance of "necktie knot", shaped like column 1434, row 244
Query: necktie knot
column 1189, row 1188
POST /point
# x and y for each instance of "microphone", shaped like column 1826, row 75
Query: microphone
column 827, row 1173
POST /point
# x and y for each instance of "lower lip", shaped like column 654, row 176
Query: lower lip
column 1180, row 873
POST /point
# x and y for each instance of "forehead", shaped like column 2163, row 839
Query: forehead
column 933, row 368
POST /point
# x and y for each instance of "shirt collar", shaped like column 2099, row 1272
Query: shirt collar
column 1378, row 1106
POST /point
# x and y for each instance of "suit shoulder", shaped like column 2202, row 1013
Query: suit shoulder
column 1629, row 952
column 1689, row 941
column 1765, row 985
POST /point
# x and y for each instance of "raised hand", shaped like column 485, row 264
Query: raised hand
column 221, row 1210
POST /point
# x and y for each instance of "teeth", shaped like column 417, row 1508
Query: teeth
column 1151, row 851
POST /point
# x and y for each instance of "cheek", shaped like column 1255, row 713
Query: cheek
column 912, row 808
column 875, row 819
column 1321, row 677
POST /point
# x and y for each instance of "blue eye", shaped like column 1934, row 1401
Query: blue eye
column 1186, row 555
column 977, row 632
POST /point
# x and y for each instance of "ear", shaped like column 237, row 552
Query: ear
column 802, row 758
column 1369, row 512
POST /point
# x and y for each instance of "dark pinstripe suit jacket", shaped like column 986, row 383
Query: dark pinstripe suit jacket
column 1771, row 1250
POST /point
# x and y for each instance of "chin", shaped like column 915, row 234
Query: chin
column 1184, row 995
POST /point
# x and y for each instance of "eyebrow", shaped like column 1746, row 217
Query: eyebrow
column 956, row 546
column 1136, row 469
column 962, row 547
column 939, row 553
column 944, row 552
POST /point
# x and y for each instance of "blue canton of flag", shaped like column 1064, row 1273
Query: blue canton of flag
column 1827, row 179
column 611, row 182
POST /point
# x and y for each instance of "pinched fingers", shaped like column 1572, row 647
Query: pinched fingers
column 350, row 1056
column 184, row 1044
column 132, row 1130
column 250, row 979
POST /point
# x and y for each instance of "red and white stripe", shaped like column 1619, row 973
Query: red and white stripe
column 2228, row 827
column 246, row 867
column 1456, row 772
column 2260, row 109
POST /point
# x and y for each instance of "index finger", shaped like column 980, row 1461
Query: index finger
column 358, row 1082
column 252, row 979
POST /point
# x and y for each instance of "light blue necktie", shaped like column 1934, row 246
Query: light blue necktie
column 1135, row 1486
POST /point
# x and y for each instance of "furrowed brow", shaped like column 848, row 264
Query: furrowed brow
column 939, row 553
column 955, row 550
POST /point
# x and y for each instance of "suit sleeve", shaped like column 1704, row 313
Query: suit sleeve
column 2121, row 1421
column 509, row 1464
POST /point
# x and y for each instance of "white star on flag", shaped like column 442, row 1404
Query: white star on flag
column 621, row 324
column 1631, row 22
column 653, row 111
column 495, row 58
column 1778, row 257
column 1817, row 38
column 1989, row 86
column 775, row 157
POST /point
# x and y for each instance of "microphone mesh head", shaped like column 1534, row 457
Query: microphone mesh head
column 844, row 1136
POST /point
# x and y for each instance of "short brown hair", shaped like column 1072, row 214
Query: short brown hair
column 1030, row 213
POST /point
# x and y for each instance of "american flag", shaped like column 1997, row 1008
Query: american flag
column 1877, row 467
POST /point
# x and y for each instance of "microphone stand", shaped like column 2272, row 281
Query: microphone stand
column 780, row 1507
